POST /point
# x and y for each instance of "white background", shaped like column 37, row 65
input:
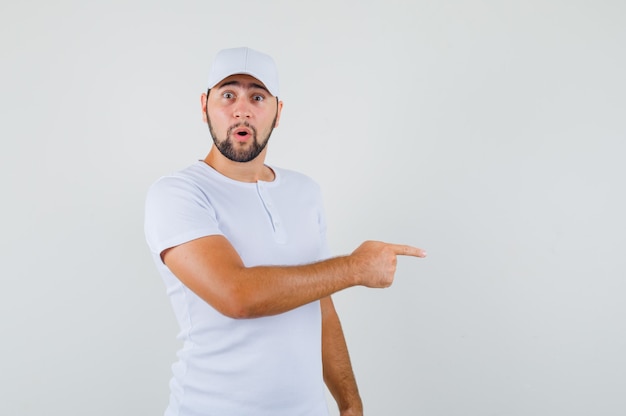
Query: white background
column 491, row 133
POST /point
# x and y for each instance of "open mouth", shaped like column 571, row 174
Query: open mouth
column 242, row 133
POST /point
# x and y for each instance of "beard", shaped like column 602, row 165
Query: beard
column 232, row 150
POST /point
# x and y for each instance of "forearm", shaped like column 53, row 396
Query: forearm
column 338, row 373
column 270, row 290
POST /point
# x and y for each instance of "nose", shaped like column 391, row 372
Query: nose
column 241, row 110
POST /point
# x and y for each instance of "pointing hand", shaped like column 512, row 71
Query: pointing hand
column 375, row 262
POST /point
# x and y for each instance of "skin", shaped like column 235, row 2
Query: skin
column 211, row 267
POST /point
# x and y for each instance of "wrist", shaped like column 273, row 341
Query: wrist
column 352, row 411
column 353, row 407
column 352, row 270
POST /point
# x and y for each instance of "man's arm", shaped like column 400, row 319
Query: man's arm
column 212, row 268
column 338, row 373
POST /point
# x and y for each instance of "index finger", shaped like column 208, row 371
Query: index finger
column 404, row 250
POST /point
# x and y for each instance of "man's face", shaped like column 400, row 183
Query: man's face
column 241, row 115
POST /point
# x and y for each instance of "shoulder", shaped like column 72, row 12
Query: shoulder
column 189, row 177
column 185, row 183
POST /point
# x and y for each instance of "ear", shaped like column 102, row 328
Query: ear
column 278, row 110
column 203, row 100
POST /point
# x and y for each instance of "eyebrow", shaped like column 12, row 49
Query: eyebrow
column 247, row 85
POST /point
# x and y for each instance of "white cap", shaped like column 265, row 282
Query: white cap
column 245, row 61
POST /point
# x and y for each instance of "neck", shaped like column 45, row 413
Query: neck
column 252, row 171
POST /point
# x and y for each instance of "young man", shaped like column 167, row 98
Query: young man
column 242, row 249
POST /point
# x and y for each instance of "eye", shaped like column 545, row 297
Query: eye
column 228, row 95
column 258, row 97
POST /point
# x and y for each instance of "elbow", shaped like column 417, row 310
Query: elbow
column 235, row 311
column 238, row 305
column 234, row 297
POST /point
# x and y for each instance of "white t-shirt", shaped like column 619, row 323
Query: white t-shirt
column 233, row 367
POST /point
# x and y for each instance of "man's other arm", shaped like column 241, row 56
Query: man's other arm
column 338, row 374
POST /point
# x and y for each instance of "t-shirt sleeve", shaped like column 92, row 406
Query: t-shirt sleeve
column 177, row 211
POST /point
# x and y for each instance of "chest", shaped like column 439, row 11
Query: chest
column 271, row 226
